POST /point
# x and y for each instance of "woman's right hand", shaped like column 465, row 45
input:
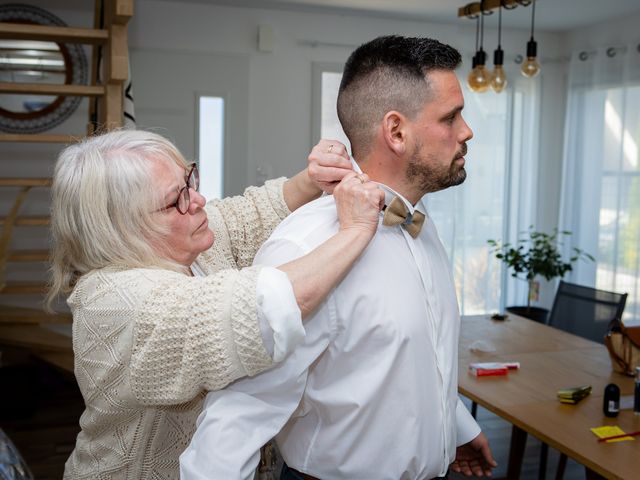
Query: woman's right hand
column 358, row 202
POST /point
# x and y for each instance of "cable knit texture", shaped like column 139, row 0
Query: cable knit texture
column 150, row 343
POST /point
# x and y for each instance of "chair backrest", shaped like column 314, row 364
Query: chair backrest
column 585, row 311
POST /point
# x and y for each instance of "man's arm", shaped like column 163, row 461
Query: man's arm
column 473, row 454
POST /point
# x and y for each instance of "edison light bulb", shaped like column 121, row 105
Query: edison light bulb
column 530, row 67
column 479, row 79
column 498, row 79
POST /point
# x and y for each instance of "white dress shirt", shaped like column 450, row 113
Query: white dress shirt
column 372, row 392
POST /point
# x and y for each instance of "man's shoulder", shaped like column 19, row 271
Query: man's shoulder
column 310, row 224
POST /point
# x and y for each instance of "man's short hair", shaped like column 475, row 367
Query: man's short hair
column 388, row 73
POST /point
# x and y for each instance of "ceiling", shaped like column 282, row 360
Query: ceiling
column 551, row 15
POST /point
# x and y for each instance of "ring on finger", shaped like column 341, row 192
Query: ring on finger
column 330, row 148
column 360, row 177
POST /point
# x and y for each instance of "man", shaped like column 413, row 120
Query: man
column 372, row 393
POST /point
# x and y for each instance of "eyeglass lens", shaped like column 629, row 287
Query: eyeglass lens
column 193, row 181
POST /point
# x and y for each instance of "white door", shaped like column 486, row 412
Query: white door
column 166, row 89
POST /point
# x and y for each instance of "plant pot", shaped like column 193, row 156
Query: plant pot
column 537, row 314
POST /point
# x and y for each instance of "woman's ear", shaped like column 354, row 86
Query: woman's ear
column 394, row 132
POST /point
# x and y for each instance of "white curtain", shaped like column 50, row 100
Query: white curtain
column 601, row 174
column 497, row 201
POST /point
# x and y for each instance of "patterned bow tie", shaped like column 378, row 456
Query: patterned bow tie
column 397, row 213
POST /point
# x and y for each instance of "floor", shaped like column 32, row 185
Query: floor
column 41, row 417
column 39, row 411
column 499, row 433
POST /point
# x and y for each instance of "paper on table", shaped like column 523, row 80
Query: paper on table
column 610, row 431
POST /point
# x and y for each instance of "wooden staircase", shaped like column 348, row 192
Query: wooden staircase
column 30, row 327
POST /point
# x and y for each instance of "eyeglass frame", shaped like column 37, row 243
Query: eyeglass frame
column 192, row 180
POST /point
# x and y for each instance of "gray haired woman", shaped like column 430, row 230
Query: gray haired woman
column 166, row 305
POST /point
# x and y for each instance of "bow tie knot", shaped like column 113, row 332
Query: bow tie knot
column 397, row 213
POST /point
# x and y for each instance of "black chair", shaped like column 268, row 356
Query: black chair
column 586, row 312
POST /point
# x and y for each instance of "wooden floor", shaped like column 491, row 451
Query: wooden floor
column 42, row 420
column 499, row 433
column 39, row 411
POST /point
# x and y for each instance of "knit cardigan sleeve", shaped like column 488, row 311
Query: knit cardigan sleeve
column 193, row 334
column 243, row 223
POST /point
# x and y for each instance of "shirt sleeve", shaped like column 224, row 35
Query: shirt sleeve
column 278, row 313
column 238, row 420
column 467, row 427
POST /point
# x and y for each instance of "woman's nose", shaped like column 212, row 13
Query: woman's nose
column 197, row 200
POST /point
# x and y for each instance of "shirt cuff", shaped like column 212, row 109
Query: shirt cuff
column 467, row 427
column 278, row 313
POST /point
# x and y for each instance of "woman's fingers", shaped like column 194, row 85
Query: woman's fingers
column 358, row 202
column 328, row 164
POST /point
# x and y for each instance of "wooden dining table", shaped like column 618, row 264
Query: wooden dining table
column 550, row 359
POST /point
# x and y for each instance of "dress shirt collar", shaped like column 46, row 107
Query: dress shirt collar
column 390, row 193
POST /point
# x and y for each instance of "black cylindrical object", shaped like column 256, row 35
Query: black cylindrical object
column 636, row 393
column 611, row 404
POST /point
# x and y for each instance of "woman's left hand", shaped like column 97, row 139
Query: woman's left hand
column 328, row 164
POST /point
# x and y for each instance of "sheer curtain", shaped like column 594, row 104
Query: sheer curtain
column 498, row 198
column 601, row 177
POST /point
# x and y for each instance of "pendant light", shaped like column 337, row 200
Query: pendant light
column 530, row 67
column 479, row 78
column 498, row 78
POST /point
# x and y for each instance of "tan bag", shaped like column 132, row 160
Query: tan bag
column 623, row 344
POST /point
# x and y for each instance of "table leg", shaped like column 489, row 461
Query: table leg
column 516, row 452
column 591, row 475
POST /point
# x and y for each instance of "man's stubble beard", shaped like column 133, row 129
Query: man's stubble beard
column 425, row 173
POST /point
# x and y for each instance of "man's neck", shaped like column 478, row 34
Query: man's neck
column 390, row 172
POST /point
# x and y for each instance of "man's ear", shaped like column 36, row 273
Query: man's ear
column 394, row 132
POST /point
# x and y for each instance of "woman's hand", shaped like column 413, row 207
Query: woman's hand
column 358, row 202
column 328, row 164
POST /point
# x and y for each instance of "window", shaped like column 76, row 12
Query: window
column 602, row 186
column 496, row 201
column 211, row 146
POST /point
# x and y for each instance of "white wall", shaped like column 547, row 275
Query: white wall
column 278, row 135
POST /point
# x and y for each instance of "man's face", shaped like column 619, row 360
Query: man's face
column 440, row 136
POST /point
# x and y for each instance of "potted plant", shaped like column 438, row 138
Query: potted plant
column 536, row 254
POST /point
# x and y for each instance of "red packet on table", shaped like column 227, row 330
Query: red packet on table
column 484, row 369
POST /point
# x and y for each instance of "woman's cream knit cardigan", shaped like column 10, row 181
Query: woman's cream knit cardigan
column 149, row 343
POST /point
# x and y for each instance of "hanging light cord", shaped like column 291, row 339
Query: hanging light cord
column 481, row 30
column 477, row 31
column 500, row 25
column 533, row 16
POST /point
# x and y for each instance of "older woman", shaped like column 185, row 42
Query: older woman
column 165, row 306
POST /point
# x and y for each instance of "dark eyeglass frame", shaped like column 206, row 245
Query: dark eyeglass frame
column 192, row 180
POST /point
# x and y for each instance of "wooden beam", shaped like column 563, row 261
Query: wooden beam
column 40, row 138
column 23, row 288
column 28, row 256
column 21, row 315
column 25, row 182
column 30, row 221
column 52, row 89
column 34, row 336
column 122, row 11
column 472, row 10
column 23, row 31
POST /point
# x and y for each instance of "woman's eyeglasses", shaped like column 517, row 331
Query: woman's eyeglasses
column 192, row 180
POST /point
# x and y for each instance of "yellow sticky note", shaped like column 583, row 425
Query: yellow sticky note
column 610, row 431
